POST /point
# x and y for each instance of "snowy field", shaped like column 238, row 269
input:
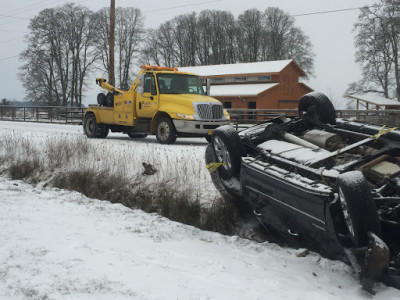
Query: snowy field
column 56, row 244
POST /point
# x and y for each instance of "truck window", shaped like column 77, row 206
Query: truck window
column 179, row 84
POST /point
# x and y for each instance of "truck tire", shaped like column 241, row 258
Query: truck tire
column 137, row 135
column 228, row 149
column 101, row 99
column 109, row 100
column 317, row 106
column 103, row 131
column 358, row 207
column 92, row 129
column 229, row 189
column 165, row 131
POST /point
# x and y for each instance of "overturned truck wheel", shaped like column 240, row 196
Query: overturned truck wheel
column 317, row 106
column 229, row 188
column 228, row 150
column 358, row 207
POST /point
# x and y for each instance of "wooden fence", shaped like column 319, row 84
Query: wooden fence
column 239, row 117
column 255, row 116
column 45, row 114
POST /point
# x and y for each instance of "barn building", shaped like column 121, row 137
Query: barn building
column 257, row 85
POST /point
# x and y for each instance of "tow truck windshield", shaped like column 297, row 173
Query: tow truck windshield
column 179, row 84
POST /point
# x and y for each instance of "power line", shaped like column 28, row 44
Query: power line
column 17, row 39
column 30, row 7
column 180, row 6
column 328, row 11
column 5, row 58
column 12, row 17
column 2, row 30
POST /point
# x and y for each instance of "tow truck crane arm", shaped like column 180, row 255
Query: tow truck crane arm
column 102, row 82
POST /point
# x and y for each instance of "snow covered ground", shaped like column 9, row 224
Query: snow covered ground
column 56, row 244
column 62, row 245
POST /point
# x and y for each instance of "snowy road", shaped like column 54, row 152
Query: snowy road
column 62, row 245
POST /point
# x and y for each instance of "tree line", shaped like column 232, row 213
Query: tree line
column 216, row 37
column 378, row 50
column 67, row 45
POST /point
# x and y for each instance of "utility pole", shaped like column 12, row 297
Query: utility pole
column 111, row 41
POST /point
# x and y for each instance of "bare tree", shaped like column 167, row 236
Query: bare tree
column 283, row 40
column 378, row 41
column 217, row 37
column 58, row 56
column 249, row 35
column 129, row 32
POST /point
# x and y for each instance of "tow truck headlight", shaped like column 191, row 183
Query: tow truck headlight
column 186, row 116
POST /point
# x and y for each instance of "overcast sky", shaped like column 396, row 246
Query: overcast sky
column 330, row 33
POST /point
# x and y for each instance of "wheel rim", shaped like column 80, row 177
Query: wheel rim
column 163, row 131
column 346, row 213
column 222, row 153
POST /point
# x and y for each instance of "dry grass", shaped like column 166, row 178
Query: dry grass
column 75, row 164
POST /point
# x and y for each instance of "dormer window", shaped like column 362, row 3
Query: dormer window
column 240, row 79
column 217, row 80
column 264, row 78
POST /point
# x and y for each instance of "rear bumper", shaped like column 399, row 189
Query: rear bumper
column 197, row 127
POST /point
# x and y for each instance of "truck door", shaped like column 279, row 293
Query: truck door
column 147, row 103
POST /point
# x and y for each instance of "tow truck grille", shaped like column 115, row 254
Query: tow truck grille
column 209, row 111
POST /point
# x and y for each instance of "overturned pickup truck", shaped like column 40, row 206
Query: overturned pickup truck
column 324, row 183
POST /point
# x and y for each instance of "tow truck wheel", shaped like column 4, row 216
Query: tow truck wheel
column 165, row 131
column 228, row 150
column 103, row 131
column 137, row 135
column 358, row 207
column 90, row 126
column 317, row 106
column 93, row 129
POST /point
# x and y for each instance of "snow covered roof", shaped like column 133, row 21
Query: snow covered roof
column 239, row 68
column 240, row 89
column 375, row 99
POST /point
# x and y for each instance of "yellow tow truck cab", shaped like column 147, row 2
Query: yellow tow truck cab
column 161, row 101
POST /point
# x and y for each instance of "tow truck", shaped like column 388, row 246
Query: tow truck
column 161, row 101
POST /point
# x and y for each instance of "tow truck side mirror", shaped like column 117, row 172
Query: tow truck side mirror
column 141, row 84
column 208, row 86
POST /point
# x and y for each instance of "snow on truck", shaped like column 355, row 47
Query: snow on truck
column 161, row 101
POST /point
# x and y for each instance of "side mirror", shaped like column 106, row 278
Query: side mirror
column 208, row 86
column 140, row 84
column 153, row 89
